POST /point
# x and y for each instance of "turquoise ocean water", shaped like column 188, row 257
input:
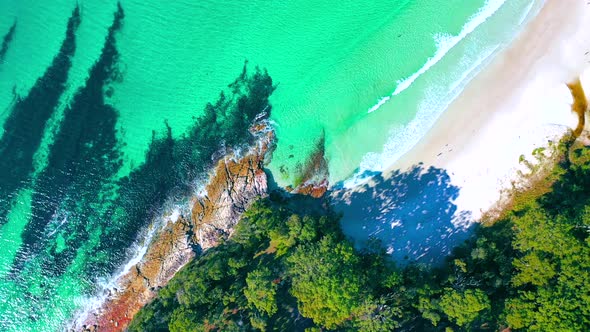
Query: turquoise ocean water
column 83, row 92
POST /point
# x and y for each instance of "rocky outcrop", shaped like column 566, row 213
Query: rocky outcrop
column 169, row 251
column 313, row 175
column 234, row 184
column 315, row 189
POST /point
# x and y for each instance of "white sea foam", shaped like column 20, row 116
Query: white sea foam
column 173, row 217
column 381, row 101
column 107, row 286
column 63, row 221
column 446, row 42
column 436, row 99
column 526, row 13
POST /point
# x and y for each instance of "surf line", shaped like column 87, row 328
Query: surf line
column 444, row 44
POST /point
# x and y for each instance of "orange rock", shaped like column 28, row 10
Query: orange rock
column 233, row 186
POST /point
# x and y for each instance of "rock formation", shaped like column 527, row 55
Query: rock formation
column 313, row 177
column 234, row 184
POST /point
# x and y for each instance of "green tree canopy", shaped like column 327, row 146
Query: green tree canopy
column 327, row 281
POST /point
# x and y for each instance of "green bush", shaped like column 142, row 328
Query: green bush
column 285, row 270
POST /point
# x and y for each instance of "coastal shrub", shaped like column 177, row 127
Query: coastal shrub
column 326, row 281
column 463, row 307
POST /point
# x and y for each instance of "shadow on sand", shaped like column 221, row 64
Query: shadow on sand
column 412, row 213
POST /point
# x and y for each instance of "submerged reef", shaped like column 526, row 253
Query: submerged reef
column 23, row 129
column 6, row 41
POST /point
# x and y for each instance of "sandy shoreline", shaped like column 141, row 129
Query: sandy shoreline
column 420, row 207
column 517, row 103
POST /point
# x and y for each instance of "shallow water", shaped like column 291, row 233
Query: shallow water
column 79, row 108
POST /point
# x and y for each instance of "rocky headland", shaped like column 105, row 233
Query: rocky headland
column 234, row 184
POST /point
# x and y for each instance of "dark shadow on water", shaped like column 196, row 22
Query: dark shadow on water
column 25, row 125
column 412, row 213
column 6, row 41
column 272, row 183
column 82, row 157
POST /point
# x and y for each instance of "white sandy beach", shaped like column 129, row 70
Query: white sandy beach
column 517, row 103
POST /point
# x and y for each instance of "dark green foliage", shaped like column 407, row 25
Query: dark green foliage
column 528, row 271
column 326, row 281
column 285, row 271
column 277, row 265
column 463, row 307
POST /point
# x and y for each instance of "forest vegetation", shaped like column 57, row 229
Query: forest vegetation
column 288, row 268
